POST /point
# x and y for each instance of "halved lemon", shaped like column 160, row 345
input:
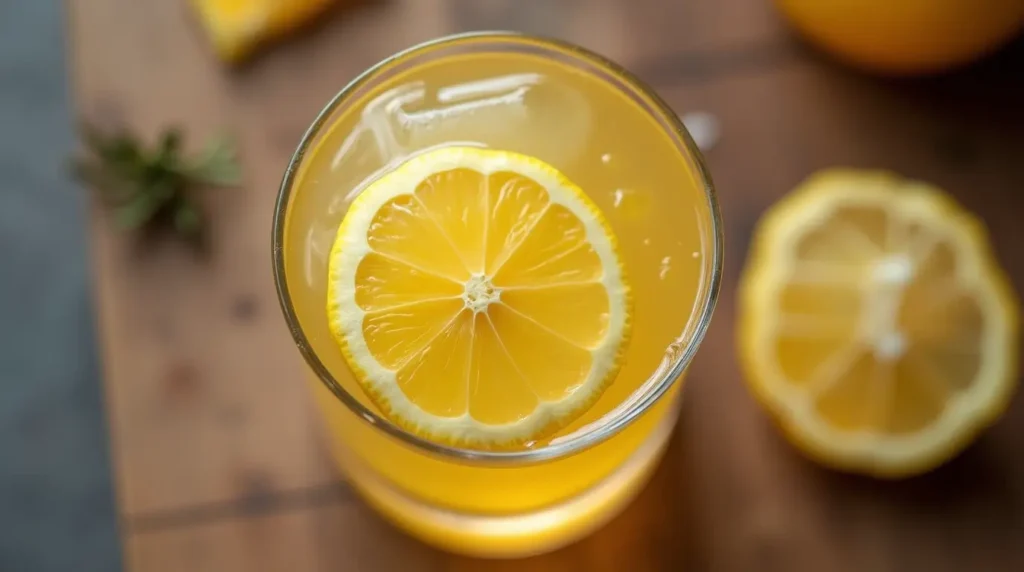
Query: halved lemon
column 478, row 297
column 876, row 324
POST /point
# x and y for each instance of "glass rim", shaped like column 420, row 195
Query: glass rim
column 587, row 439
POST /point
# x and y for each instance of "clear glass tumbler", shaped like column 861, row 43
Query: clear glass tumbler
column 630, row 153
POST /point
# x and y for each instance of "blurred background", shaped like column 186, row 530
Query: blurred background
column 180, row 451
column 56, row 500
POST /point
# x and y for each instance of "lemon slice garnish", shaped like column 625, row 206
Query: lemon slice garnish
column 478, row 297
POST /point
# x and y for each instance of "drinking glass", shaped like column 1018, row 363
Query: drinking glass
column 616, row 139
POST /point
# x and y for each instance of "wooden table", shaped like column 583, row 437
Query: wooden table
column 218, row 464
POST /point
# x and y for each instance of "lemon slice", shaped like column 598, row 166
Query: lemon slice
column 478, row 297
column 237, row 27
column 875, row 323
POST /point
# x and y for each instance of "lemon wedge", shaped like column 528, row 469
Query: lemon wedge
column 478, row 296
column 875, row 323
column 237, row 27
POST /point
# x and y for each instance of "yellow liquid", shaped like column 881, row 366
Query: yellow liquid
column 652, row 196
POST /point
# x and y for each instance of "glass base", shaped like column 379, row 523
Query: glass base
column 518, row 535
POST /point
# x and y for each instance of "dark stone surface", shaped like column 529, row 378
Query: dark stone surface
column 56, row 502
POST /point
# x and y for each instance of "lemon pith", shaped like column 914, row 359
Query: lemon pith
column 478, row 297
column 875, row 324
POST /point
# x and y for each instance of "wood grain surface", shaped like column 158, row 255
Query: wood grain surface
column 217, row 458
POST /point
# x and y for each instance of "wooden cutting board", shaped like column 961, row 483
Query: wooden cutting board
column 218, row 462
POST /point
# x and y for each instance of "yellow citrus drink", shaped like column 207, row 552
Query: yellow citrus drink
column 586, row 136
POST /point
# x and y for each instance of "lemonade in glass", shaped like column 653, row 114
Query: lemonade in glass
column 497, row 254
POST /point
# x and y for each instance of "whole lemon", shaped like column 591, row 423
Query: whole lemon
column 906, row 37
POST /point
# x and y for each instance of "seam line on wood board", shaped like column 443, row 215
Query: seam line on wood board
column 245, row 507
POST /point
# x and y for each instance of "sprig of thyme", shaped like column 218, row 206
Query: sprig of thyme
column 147, row 186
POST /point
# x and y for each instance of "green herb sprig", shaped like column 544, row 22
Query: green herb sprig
column 148, row 186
